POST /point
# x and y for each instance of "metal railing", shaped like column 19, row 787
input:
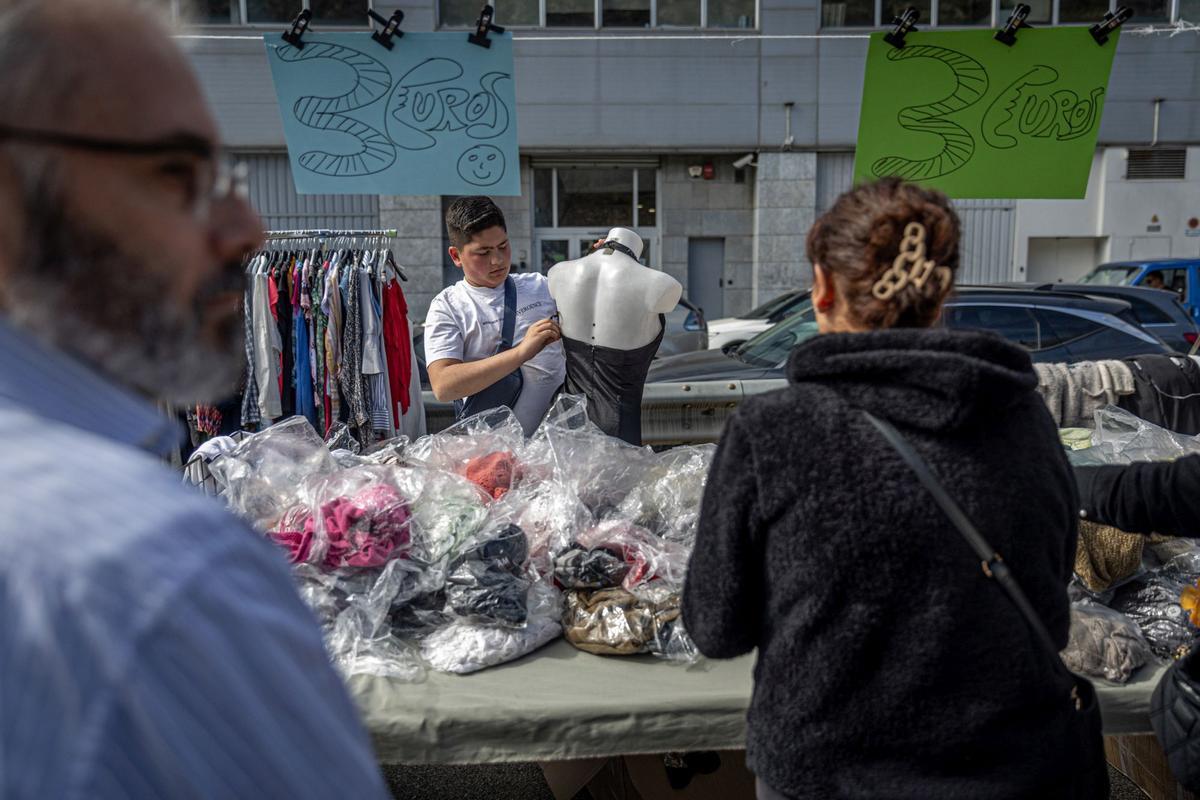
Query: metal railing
column 689, row 412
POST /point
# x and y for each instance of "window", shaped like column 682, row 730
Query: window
column 595, row 197
column 614, row 13
column 969, row 13
column 1147, row 313
column 1058, row 328
column 1156, row 164
column 1014, row 323
column 271, row 12
column 570, row 14
column 465, row 13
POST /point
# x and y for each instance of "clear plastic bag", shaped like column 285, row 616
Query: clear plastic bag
column 353, row 518
column 264, row 474
column 488, row 583
column 667, row 501
column 650, row 559
column 1122, row 438
column 447, row 511
column 462, row 647
column 353, row 607
column 341, row 438
column 1152, row 603
column 1104, row 644
column 617, row 622
column 599, row 469
column 550, row 513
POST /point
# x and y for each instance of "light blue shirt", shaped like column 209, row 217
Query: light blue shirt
column 151, row 645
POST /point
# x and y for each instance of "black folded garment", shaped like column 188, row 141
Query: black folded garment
column 598, row 568
column 487, row 583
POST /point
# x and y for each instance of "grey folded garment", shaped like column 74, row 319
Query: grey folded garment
column 1104, row 644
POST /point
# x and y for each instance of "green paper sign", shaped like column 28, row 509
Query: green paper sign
column 960, row 112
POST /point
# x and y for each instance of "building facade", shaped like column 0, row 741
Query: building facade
column 721, row 145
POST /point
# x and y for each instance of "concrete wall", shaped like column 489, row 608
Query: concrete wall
column 1118, row 213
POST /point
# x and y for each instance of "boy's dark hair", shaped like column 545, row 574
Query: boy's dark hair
column 467, row 216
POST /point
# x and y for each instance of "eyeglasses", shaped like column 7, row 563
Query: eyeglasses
column 218, row 176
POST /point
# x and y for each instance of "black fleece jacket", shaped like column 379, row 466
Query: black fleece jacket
column 1147, row 497
column 888, row 665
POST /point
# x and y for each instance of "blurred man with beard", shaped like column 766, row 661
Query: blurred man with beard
column 150, row 644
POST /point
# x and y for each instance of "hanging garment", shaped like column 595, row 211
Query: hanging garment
column 251, row 416
column 267, row 348
column 304, row 386
column 1105, row 556
column 352, row 347
column 374, row 363
column 397, row 345
column 332, row 305
column 286, row 323
column 319, row 326
column 1168, row 392
column 613, row 381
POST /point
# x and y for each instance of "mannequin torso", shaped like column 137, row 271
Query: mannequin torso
column 609, row 299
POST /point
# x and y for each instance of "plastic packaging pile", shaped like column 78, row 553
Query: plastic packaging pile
column 475, row 546
column 1129, row 623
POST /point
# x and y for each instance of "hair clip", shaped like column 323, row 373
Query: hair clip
column 910, row 266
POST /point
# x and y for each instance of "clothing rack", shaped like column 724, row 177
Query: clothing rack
column 318, row 234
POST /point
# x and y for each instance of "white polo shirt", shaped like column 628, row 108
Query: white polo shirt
column 464, row 324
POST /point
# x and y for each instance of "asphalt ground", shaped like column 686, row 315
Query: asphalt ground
column 524, row 782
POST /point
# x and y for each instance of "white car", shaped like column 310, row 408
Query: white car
column 732, row 331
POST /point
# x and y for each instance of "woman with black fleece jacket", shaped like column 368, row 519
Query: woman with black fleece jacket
column 889, row 666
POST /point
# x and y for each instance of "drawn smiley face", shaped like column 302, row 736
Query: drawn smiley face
column 482, row 165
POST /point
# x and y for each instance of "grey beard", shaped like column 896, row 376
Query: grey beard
column 79, row 292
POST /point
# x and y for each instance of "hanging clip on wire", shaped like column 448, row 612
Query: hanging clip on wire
column 480, row 36
column 1112, row 20
column 299, row 26
column 391, row 27
column 1015, row 22
column 906, row 22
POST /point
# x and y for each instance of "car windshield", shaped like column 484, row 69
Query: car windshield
column 771, row 347
column 770, row 307
column 1112, row 275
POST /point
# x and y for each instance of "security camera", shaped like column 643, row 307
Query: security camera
column 745, row 161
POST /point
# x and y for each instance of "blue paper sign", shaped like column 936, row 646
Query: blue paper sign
column 435, row 115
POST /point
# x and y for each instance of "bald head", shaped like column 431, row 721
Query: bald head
column 128, row 258
column 130, row 70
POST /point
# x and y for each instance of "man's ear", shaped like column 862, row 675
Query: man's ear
column 455, row 256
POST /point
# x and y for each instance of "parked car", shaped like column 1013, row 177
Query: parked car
column 1053, row 325
column 1157, row 311
column 686, row 331
column 1179, row 275
column 730, row 332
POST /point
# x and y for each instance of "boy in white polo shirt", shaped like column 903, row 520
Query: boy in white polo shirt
column 463, row 329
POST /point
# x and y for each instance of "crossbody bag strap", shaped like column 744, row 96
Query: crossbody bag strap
column 993, row 565
column 509, row 326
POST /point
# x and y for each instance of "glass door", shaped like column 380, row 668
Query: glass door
column 556, row 246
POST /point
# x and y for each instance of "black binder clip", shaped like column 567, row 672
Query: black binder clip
column 480, row 36
column 1015, row 22
column 1112, row 20
column 905, row 23
column 299, row 26
column 391, row 27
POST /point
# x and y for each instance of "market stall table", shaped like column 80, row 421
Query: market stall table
column 560, row 703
